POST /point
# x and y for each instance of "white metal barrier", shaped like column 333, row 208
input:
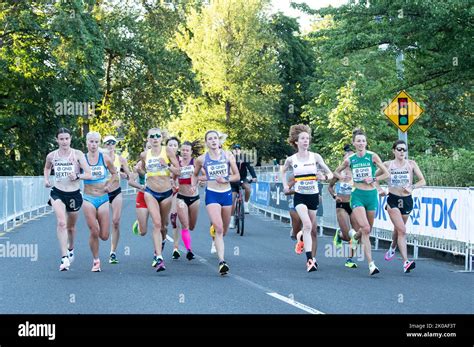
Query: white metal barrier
column 25, row 197
column 441, row 220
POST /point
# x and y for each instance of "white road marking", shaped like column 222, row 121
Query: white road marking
column 295, row 303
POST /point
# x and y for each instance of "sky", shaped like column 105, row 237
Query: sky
column 304, row 20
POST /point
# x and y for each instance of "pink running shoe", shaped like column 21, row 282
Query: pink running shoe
column 299, row 248
column 389, row 254
column 96, row 266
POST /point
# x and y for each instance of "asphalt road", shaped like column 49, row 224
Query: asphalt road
column 266, row 276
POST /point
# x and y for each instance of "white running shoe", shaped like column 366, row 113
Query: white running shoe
column 373, row 269
column 70, row 254
column 232, row 222
column 213, row 248
column 408, row 266
column 246, row 207
column 64, row 264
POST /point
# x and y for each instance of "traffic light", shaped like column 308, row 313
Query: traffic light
column 402, row 111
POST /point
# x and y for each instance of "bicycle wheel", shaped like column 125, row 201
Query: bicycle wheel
column 241, row 218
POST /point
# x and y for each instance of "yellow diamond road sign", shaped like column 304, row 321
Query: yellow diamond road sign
column 403, row 111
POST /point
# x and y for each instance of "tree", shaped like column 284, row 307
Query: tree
column 230, row 46
column 356, row 46
column 43, row 63
column 296, row 65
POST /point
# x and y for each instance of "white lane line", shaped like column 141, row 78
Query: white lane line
column 295, row 303
column 262, row 288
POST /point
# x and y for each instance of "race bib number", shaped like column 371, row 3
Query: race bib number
column 187, row 171
column 155, row 165
column 358, row 174
column 98, row 172
column 400, row 178
column 217, row 170
column 62, row 169
column 306, row 187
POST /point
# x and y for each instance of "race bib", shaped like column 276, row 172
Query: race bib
column 155, row 165
column 345, row 188
column 358, row 174
column 217, row 170
column 187, row 171
column 98, row 172
column 306, row 187
column 62, row 169
column 400, row 178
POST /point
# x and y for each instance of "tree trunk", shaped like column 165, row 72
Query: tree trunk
column 227, row 111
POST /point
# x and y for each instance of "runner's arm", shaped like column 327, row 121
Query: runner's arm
column 112, row 169
column 235, row 176
column 340, row 168
column 329, row 175
column 174, row 167
column 87, row 175
column 283, row 177
column 47, row 170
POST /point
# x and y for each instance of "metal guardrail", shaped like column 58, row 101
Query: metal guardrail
column 327, row 219
column 23, row 198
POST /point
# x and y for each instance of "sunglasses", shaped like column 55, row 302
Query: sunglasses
column 110, row 143
column 401, row 149
column 154, row 136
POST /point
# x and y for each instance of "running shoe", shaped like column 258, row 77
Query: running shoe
column 155, row 261
column 70, row 254
column 353, row 242
column 223, row 268
column 337, row 239
column 173, row 220
column 176, row 254
column 311, row 265
column 135, row 229
column 190, row 255
column 213, row 248
column 96, row 266
column 389, row 254
column 212, row 231
column 232, row 222
column 373, row 269
column 113, row 258
column 160, row 265
column 315, row 263
column 350, row 264
column 408, row 266
column 64, row 264
column 299, row 247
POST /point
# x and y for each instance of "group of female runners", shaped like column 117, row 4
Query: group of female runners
column 160, row 177
column 169, row 183
column 356, row 195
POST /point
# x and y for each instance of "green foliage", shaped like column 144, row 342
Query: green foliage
column 356, row 77
column 231, row 66
column 454, row 170
column 230, row 46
